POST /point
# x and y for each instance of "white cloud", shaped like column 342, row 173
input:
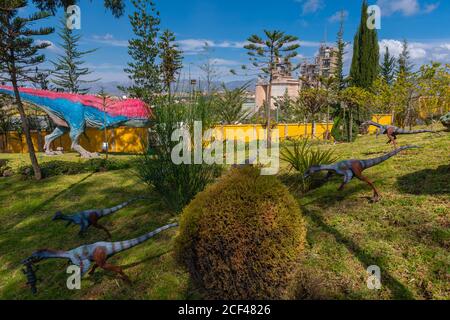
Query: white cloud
column 190, row 46
column 311, row 6
column 405, row 7
column 431, row 7
column 420, row 52
column 108, row 39
column 337, row 16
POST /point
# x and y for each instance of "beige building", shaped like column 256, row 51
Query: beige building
column 282, row 82
column 324, row 66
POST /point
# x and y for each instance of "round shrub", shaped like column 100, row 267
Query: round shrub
column 242, row 237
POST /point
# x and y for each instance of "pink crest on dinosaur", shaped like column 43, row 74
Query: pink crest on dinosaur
column 132, row 108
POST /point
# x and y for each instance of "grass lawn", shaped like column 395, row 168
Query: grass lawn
column 406, row 234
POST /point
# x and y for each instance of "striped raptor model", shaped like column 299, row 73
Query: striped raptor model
column 351, row 168
column 73, row 113
column 392, row 131
column 92, row 256
column 88, row 218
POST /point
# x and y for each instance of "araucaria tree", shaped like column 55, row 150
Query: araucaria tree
column 171, row 59
column 117, row 7
column 19, row 56
column 144, row 70
column 364, row 67
column 68, row 73
column 387, row 67
column 265, row 53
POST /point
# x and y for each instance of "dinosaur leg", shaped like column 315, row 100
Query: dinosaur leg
column 357, row 171
column 93, row 219
column 99, row 226
column 75, row 136
column 94, row 267
column 58, row 132
column 376, row 195
column 348, row 176
column 99, row 257
column 392, row 137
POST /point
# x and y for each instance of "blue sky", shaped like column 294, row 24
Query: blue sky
column 225, row 25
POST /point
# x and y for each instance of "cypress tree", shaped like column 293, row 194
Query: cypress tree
column 340, row 44
column 387, row 68
column 364, row 68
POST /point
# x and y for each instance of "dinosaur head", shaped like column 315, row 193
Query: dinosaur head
column 35, row 257
column 311, row 171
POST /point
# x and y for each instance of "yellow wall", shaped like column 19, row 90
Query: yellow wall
column 384, row 119
column 132, row 140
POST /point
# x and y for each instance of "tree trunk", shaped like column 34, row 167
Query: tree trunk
column 269, row 102
column 26, row 130
column 351, row 127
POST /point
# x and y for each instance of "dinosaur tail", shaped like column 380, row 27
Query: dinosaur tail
column 402, row 131
column 127, row 244
column 106, row 212
column 373, row 162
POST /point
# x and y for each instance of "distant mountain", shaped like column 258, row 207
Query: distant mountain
column 109, row 87
column 181, row 86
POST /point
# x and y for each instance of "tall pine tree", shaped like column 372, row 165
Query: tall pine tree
column 171, row 59
column 144, row 71
column 340, row 44
column 364, row 68
column 387, row 67
column 69, row 72
column 404, row 61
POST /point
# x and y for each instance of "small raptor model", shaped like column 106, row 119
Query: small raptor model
column 352, row 168
column 92, row 255
column 90, row 217
column 392, row 131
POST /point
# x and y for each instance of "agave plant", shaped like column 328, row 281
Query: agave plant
column 301, row 154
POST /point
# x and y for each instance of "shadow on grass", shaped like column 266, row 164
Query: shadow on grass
column 52, row 198
column 399, row 291
column 135, row 264
column 428, row 181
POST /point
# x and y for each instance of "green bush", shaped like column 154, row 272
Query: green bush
column 176, row 183
column 242, row 237
column 301, row 155
column 58, row 167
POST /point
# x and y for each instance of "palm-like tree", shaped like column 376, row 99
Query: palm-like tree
column 265, row 53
